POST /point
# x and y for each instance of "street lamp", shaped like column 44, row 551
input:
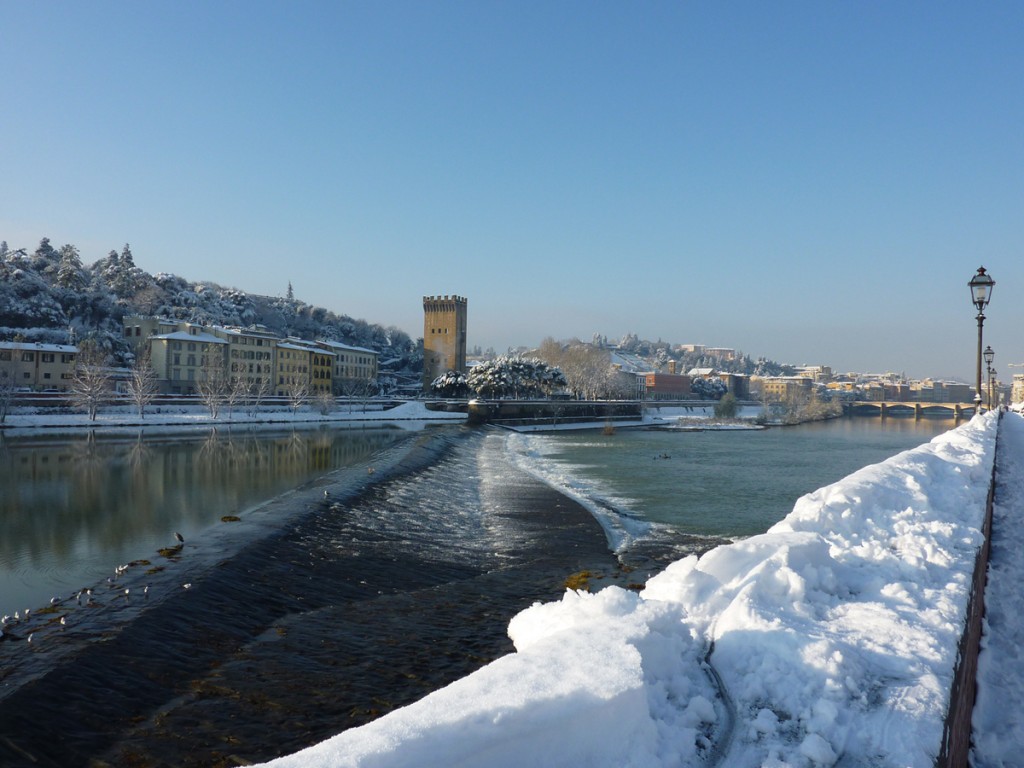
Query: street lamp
column 989, row 356
column 981, row 291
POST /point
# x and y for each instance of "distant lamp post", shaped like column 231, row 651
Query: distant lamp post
column 989, row 356
column 981, row 291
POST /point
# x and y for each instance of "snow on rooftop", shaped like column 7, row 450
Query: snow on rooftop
column 186, row 336
column 830, row 637
column 347, row 347
column 37, row 347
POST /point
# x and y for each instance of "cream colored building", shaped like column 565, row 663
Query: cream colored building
column 180, row 359
column 37, row 366
column 353, row 366
column 250, row 357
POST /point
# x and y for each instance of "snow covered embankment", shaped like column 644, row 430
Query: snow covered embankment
column 832, row 636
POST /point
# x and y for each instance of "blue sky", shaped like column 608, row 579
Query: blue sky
column 814, row 182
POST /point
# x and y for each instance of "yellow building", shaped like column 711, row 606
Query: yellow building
column 37, row 366
column 303, row 364
column 783, row 389
column 354, row 367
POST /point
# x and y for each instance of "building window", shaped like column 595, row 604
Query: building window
column 28, row 357
column 46, row 375
column 47, row 357
column 5, row 354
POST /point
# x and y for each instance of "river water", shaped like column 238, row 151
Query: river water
column 312, row 613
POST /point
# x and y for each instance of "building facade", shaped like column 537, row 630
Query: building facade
column 183, row 359
column 444, row 336
column 254, row 359
column 665, row 386
column 37, row 366
column 355, row 368
column 782, row 389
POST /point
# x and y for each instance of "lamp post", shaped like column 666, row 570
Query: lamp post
column 981, row 291
column 989, row 356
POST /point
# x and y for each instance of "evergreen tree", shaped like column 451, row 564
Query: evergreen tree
column 70, row 274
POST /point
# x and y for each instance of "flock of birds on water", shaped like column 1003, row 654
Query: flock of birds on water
column 8, row 623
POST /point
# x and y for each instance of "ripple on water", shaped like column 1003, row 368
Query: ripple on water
column 344, row 611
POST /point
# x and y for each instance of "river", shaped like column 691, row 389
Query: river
column 329, row 576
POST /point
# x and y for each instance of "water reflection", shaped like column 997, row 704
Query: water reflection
column 72, row 508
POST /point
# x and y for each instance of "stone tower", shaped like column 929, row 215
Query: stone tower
column 444, row 336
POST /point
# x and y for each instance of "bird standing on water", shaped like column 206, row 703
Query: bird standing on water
column 179, row 537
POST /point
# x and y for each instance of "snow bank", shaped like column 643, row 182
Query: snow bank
column 832, row 636
column 198, row 416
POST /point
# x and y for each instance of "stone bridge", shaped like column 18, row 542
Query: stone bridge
column 886, row 408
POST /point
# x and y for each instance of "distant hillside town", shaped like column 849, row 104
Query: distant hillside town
column 52, row 307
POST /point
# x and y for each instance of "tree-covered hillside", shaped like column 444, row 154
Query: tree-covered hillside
column 50, row 296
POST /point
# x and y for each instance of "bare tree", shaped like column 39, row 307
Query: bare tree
column 298, row 393
column 213, row 385
column 356, row 388
column 91, row 383
column 143, row 385
column 8, row 383
column 259, row 391
column 326, row 403
column 236, row 392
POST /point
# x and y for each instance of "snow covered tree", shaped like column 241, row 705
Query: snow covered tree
column 515, row 377
column 712, row 388
column 450, row 384
column 213, row 384
column 91, row 384
column 142, row 383
column 70, row 274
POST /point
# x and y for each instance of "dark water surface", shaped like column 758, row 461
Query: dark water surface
column 401, row 581
column 312, row 614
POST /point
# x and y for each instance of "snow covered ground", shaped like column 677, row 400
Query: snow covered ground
column 21, row 419
column 999, row 710
column 832, row 637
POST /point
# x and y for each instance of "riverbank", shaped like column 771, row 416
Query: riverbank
column 21, row 420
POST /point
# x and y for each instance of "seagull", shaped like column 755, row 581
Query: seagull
column 187, row 586
column 179, row 537
column 54, row 600
column 62, row 620
column 327, row 495
column 145, row 590
column 30, row 637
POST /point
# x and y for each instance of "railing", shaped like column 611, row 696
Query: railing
column 956, row 732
